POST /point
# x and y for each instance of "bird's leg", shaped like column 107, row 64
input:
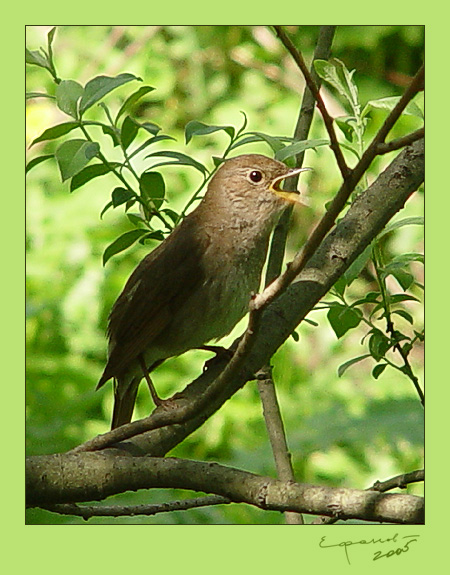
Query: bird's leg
column 156, row 399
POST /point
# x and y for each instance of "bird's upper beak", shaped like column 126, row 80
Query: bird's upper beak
column 290, row 196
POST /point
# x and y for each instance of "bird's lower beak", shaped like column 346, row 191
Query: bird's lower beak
column 289, row 196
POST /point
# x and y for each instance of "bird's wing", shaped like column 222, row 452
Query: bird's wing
column 146, row 305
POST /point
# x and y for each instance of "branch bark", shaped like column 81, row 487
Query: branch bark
column 86, row 476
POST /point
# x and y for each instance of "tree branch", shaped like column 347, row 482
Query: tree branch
column 277, row 435
column 86, row 476
column 88, row 511
column 407, row 140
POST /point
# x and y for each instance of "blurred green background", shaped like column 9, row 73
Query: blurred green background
column 347, row 431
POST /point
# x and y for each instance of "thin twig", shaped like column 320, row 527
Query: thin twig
column 88, row 511
column 400, row 142
column 277, row 436
column 399, row 481
column 406, row 369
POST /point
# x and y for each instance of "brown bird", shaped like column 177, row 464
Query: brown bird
column 197, row 284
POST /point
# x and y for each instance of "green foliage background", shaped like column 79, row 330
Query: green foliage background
column 346, row 431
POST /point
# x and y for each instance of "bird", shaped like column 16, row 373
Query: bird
column 195, row 285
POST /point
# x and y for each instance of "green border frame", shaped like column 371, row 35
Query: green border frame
column 260, row 548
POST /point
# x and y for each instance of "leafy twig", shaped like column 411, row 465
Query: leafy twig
column 406, row 369
column 328, row 120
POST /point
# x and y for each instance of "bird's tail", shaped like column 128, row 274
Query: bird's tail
column 124, row 402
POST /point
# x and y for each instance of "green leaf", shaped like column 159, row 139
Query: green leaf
column 413, row 220
column 297, row 148
column 405, row 315
column 400, row 297
column 152, row 188
column 412, row 109
column 378, row 344
column 343, row 318
column 68, row 94
column 50, row 38
column 172, row 215
column 378, row 370
column 36, row 161
column 121, row 195
column 155, row 235
column 72, row 156
column 112, row 133
column 37, row 58
column 353, row 271
column 131, row 100
column 122, row 243
column 196, row 128
column 404, row 278
column 340, row 286
column 275, row 142
column 98, row 87
column 370, row 297
column 105, row 209
column 295, row 336
column 343, row 367
column 336, row 74
column 55, row 132
column 90, row 173
column 128, row 131
column 151, row 128
column 345, row 125
column 137, row 219
column 179, row 158
column 405, row 259
column 149, row 142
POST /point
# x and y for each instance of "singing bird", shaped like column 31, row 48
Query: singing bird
column 197, row 284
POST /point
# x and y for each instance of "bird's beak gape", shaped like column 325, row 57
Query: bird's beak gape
column 289, row 196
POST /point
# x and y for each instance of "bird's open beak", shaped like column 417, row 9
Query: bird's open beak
column 290, row 196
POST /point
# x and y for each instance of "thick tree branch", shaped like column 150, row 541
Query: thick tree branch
column 86, row 476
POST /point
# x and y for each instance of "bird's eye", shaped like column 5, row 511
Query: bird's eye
column 255, row 176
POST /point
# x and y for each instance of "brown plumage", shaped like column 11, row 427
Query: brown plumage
column 196, row 285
